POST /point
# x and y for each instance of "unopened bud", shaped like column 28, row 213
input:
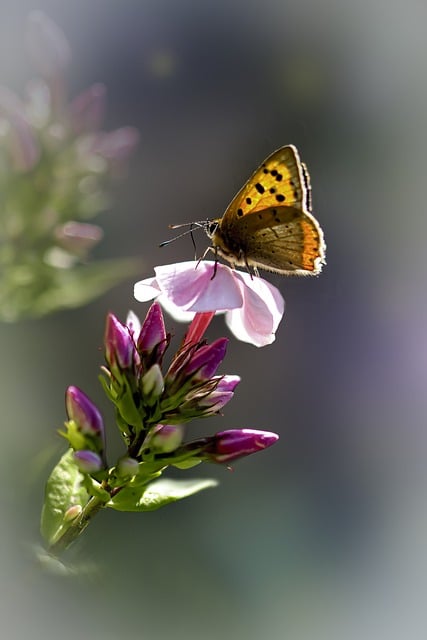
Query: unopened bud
column 152, row 339
column 152, row 384
column 166, row 438
column 88, row 461
column 127, row 467
column 72, row 512
column 119, row 346
column 84, row 413
column 237, row 443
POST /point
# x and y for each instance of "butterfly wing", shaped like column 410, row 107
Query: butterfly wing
column 269, row 223
column 286, row 240
column 281, row 180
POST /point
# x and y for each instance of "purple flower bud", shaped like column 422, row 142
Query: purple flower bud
column 206, row 360
column 88, row 461
column 87, row 109
column 119, row 346
column 78, row 237
column 84, row 413
column 227, row 384
column 116, row 145
column 237, row 443
column 152, row 338
column 217, row 399
column 47, row 45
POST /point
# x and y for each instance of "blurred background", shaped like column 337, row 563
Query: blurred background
column 324, row 535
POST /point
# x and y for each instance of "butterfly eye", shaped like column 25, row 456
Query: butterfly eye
column 211, row 227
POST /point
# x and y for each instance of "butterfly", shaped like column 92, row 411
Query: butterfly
column 269, row 223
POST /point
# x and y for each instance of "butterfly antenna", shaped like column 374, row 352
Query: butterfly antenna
column 199, row 225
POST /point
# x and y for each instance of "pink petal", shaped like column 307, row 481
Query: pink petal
column 190, row 286
column 257, row 321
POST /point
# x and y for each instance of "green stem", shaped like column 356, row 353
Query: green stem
column 78, row 526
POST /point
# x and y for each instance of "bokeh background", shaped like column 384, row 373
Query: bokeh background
column 323, row 536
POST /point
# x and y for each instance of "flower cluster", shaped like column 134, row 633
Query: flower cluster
column 152, row 403
column 142, row 394
column 56, row 163
column 151, row 406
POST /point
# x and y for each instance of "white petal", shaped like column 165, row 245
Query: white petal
column 146, row 290
column 175, row 312
column 134, row 324
column 257, row 321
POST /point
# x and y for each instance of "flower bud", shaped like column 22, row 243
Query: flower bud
column 117, row 145
column 87, row 109
column 206, row 360
column 78, row 237
column 152, row 339
column 72, row 512
column 127, row 467
column 88, row 461
column 47, row 45
column 166, row 438
column 152, row 384
column 237, row 443
column 84, row 413
column 119, row 346
column 218, row 398
column 194, row 364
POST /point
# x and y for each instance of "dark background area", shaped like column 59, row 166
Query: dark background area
column 323, row 536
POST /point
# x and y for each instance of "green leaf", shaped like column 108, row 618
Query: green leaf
column 64, row 489
column 75, row 287
column 158, row 494
column 36, row 289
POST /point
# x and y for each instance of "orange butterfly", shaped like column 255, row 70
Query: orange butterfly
column 269, row 224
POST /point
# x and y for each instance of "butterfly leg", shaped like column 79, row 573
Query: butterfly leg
column 253, row 271
column 216, row 262
column 215, row 250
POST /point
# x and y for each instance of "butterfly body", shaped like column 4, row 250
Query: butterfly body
column 269, row 224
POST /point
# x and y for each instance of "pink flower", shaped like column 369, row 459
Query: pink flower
column 253, row 307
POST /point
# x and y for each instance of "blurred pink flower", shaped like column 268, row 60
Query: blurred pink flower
column 23, row 146
column 88, row 108
column 47, row 45
column 253, row 307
